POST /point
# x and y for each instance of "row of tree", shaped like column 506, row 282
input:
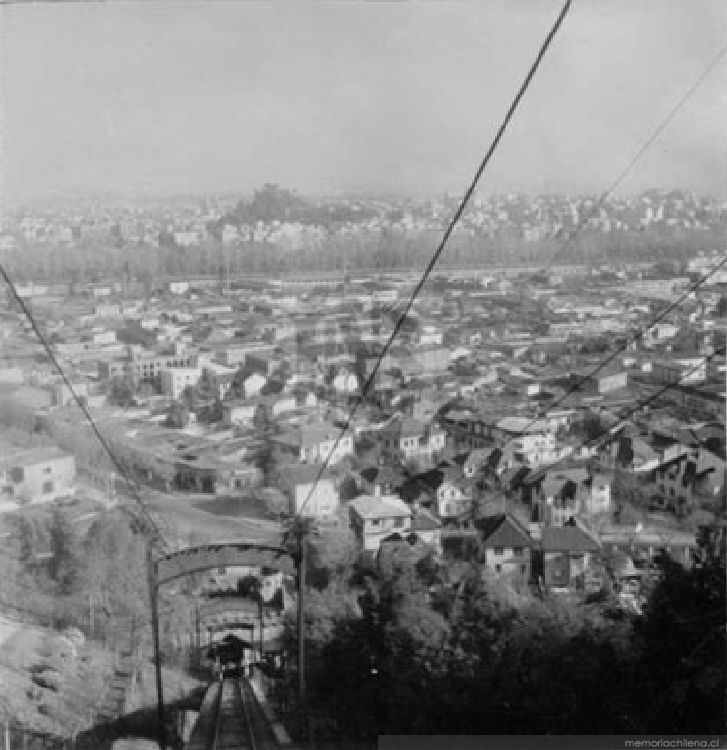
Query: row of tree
column 385, row 248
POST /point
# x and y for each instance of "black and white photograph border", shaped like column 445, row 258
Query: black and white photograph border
column 362, row 374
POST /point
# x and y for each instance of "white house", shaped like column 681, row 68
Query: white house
column 310, row 495
column 254, row 384
column 238, row 412
column 413, row 440
column 317, row 442
column 36, row 475
column 683, row 371
column 375, row 518
column 178, row 287
column 174, row 380
column 506, row 546
column 345, row 382
column 659, row 332
column 454, row 495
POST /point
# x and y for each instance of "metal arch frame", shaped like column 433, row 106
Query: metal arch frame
column 237, row 548
column 278, row 554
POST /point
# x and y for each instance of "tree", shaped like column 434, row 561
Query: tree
column 122, row 393
column 272, row 203
column 64, row 546
column 211, row 413
column 334, row 553
column 189, row 397
column 27, row 539
column 682, row 643
column 112, row 571
column 349, row 489
column 177, row 416
column 276, row 503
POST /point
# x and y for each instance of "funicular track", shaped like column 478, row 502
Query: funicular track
column 233, row 730
column 231, row 719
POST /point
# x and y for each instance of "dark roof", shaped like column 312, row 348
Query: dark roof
column 430, row 480
column 567, row 539
column 519, row 477
column 503, row 530
column 460, row 459
column 411, row 489
column 424, row 521
column 383, row 475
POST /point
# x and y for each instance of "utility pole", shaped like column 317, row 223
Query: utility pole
column 153, row 596
column 300, row 532
column 260, row 614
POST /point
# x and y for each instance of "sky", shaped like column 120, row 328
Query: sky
column 377, row 97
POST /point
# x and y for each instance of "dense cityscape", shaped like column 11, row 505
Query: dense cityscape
column 532, row 475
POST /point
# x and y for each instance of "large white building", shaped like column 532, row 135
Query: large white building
column 174, row 380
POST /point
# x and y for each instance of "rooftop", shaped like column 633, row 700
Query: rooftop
column 369, row 507
column 567, row 539
column 503, row 530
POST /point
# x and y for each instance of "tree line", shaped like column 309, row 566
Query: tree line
column 399, row 650
column 386, row 248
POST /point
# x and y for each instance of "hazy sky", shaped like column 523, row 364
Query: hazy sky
column 341, row 96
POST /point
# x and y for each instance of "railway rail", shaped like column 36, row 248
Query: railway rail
column 231, row 718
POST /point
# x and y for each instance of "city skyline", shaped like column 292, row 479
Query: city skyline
column 356, row 98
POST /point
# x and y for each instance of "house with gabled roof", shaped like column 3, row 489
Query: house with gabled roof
column 312, row 494
column 375, row 518
column 692, row 480
column 445, row 488
column 455, row 494
column 413, row 441
column 630, row 453
column 505, row 544
column 318, row 442
column 314, row 442
column 555, row 495
column 568, row 555
column 427, row 527
column 423, row 534
column 467, row 427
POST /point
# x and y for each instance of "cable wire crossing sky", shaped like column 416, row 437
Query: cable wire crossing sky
column 355, row 97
